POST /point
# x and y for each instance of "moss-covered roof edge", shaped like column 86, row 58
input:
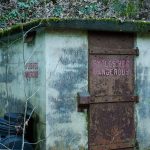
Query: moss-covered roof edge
column 81, row 24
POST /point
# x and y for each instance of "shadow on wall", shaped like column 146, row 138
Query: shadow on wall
column 10, row 77
column 11, row 104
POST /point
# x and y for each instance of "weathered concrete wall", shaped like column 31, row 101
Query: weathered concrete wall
column 15, row 88
column 61, row 60
column 143, row 90
column 66, row 74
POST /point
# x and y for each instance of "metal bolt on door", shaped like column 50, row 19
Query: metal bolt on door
column 111, row 87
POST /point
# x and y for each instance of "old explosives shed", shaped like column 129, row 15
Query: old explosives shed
column 87, row 82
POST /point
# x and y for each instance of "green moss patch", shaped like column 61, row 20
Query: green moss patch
column 104, row 24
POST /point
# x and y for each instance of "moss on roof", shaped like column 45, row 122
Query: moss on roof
column 82, row 24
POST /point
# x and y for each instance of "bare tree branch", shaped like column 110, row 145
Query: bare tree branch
column 5, row 146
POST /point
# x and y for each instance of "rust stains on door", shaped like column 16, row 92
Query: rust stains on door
column 111, row 87
column 111, row 75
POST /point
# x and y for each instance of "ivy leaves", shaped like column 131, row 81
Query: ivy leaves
column 18, row 11
column 127, row 9
column 57, row 11
column 88, row 9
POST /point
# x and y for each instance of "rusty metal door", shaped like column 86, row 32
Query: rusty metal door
column 111, row 87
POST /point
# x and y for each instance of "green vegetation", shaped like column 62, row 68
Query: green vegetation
column 128, row 9
column 25, row 11
column 24, row 15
